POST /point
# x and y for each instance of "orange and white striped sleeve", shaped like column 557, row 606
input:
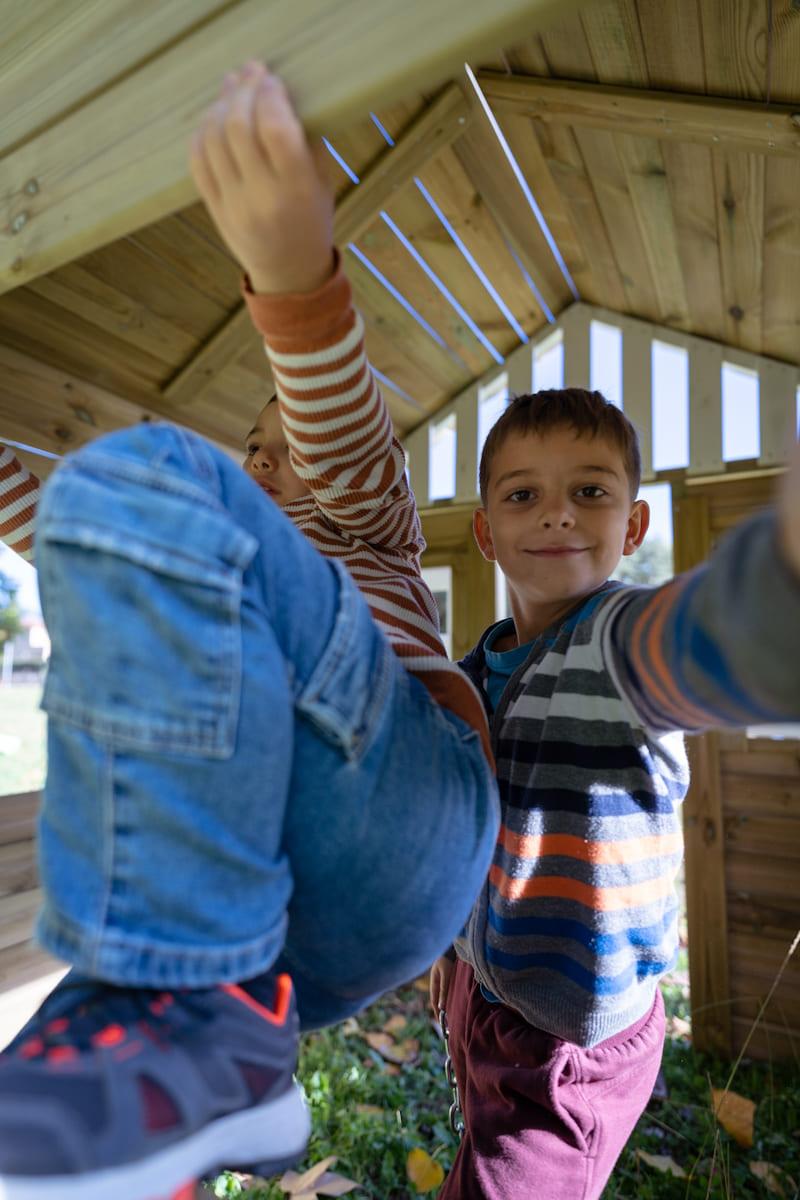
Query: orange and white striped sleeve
column 19, row 496
column 336, row 423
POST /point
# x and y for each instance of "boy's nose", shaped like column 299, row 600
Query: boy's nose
column 560, row 519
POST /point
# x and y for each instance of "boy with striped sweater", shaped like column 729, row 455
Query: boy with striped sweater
column 556, row 1022
column 261, row 762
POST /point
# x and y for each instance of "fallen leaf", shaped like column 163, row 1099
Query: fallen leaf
column 350, row 1026
column 424, row 1172
column 662, row 1163
column 379, row 1041
column 735, row 1114
column 394, row 1052
column 774, row 1179
column 395, row 1023
column 370, row 1110
column 316, row 1181
column 391, row 1069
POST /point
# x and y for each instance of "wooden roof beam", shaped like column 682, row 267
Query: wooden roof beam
column 118, row 160
column 440, row 124
column 669, row 116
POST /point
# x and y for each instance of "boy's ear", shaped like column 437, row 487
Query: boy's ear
column 638, row 525
column 483, row 534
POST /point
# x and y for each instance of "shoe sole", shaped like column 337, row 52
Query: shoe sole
column 274, row 1135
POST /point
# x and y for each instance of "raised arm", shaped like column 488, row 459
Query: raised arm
column 19, row 496
column 263, row 185
column 720, row 646
column 336, row 424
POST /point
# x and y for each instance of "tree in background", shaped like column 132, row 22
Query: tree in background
column 651, row 564
column 10, row 623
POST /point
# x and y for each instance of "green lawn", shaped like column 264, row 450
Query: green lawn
column 22, row 738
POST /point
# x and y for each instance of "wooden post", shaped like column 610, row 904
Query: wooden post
column 706, row 899
column 575, row 323
column 778, row 384
column 705, row 409
column 637, row 387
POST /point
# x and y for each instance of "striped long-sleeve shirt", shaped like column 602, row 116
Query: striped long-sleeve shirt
column 359, row 508
column 19, row 495
column 578, row 919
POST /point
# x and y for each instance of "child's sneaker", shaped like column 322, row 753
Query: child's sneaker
column 128, row 1093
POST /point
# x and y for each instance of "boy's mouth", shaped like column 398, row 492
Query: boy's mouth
column 557, row 551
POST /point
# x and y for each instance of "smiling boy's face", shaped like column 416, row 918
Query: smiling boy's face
column 267, row 460
column 558, row 518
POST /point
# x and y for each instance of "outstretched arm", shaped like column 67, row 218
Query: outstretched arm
column 19, row 496
column 262, row 184
column 720, row 646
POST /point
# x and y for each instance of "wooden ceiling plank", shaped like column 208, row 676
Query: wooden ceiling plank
column 207, row 268
column 48, row 326
column 671, row 37
column 380, row 309
column 419, row 222
column 120, row 162
column 387, row 253
column 128, row 265
column 781, row 279
column 55, row 410
column 649, row 189
column 602, row 284
column 607, row 172
column 781, row 321
column 111, row 310
column 735, row 39
column 617, row 49
column 438, row 125
column 454, row 192
column 691, row 182
column 54, row 55
column 739, row 181
column 670, row 116
column 482, row 158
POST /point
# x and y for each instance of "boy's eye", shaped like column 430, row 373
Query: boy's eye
column 251, row 451
column 592, row 491
column 520, row 495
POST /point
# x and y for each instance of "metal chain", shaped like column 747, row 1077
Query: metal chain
column 456, row 1114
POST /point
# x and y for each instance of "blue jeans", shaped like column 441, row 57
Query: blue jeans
column 241, row 772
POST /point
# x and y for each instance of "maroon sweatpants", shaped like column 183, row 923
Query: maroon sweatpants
column 545, row 1119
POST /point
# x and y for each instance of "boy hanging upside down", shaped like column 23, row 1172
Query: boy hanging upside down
column 261, row 763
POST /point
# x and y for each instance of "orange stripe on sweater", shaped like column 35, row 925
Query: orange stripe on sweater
column 601, row 899
column 565, row 845
column 656, row 675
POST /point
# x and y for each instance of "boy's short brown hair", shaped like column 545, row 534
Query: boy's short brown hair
column 588, row 413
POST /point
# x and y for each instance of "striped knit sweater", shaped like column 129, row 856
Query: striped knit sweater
column 578, row 919
column 360, row 508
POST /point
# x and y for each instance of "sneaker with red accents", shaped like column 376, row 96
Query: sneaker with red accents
column 130, row 1093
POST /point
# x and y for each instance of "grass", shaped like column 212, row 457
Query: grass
column 22, row 739
column 370, row 1119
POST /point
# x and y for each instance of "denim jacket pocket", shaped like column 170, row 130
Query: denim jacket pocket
column 155, row 636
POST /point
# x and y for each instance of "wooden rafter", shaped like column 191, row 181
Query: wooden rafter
column 443, row 121
column 117, row 160
column 702, row 120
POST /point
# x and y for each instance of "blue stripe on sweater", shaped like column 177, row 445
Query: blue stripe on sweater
column 595, row 804
column 646, row 937
column 597, row 985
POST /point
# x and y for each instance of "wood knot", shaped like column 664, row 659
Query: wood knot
column 736, row 312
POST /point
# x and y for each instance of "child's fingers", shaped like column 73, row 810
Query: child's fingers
column 201, row 171
column 243, row 144
column 278, row 127
column 216, row 147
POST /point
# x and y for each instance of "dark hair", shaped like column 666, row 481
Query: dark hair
column 588, row 413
